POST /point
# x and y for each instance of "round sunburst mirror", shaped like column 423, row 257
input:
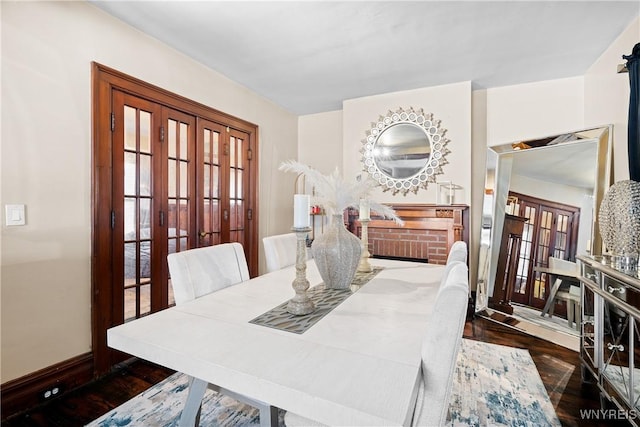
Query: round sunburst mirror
column 404, row 150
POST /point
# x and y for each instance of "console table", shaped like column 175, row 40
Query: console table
column 610, row 335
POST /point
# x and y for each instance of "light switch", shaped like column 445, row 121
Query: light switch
column 14, row 215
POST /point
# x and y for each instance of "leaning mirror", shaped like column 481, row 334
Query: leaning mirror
column 404, row 150
column 541, row 200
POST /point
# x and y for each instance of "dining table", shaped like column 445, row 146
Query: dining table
column 357, row 363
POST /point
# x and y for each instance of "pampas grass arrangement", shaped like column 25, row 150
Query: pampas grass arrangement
column 335, row 194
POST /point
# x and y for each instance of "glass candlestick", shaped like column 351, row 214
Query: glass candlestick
column 364, row 266
column 301, row 303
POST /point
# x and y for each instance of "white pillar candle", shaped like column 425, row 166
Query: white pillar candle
column 364, row 209
column 301, row 207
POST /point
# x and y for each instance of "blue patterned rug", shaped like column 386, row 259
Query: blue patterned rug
column 493, row 386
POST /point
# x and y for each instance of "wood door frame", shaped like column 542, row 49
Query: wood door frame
column 571, row 248
column 104, row 81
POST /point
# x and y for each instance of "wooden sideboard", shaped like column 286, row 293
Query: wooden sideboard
column 426, row 235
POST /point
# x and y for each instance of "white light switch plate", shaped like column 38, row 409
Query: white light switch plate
column 14, row 215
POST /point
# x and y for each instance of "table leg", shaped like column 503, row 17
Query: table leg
column 268, row 416
column 552, row 297
column 268, row 413
column 197, row 387
column 570, row 310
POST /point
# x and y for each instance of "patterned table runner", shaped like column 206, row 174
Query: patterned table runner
column 325, row 300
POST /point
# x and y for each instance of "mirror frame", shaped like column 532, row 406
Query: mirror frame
column 498, row 175
column 433, row 167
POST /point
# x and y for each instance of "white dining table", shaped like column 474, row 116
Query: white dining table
column 358, row 365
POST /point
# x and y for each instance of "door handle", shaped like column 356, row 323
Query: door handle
column 225, row 215
column 205, row 233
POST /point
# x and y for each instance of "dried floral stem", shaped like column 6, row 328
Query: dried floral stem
column 335, row 194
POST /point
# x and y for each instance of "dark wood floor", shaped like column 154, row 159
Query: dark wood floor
column 555, row 364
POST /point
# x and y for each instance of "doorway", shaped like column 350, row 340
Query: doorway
column 169, row 175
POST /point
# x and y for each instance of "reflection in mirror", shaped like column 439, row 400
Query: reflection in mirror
column 404, row 150
column 540, row 204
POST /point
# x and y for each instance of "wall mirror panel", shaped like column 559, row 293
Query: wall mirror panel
column 550, row 189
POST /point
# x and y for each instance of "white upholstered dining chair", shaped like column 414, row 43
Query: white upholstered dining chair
column 439, row 351
column 279, row 251
column 198, row 272
column 458, row 252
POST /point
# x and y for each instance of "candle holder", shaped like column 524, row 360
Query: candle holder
column 301, row 303
column 364, row 266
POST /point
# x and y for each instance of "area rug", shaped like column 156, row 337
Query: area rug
column 493, row 386
column 496, row 385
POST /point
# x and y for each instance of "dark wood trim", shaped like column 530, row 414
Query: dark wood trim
column 130, row 84
column 26, row 392
column 102, row 171
column 105, row 81
column 548, row 203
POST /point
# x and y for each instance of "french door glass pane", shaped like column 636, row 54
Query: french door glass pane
column 171, row 166
column 129, row 128
column 522, row 272
column 211, row 187
column 236, row 195
column 178, row 180
column 145, row 175
column 145, row 132
column 184, row 155
column 130, row 174
column 171, row 137
column 137, row 209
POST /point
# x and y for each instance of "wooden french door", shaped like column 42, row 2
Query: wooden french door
column 225, row 158
column 550, row 231
column 167, row 177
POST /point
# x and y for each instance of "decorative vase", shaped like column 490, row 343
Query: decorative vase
column 337, row 254
column 619, row 220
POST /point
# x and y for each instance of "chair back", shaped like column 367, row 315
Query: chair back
column 279, row 251
column 458, row 252
column 197, row 272
column 447, row 269
column 570, row 267
column 440, row 349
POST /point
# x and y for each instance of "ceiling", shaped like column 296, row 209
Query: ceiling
column 309, row 56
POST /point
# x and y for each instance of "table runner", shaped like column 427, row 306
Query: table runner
column 324, row 299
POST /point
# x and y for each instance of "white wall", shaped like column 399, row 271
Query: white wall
column 320, row 140
column 47, row 50
column 534, row 110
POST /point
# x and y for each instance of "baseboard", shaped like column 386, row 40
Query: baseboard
column 38, row 387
